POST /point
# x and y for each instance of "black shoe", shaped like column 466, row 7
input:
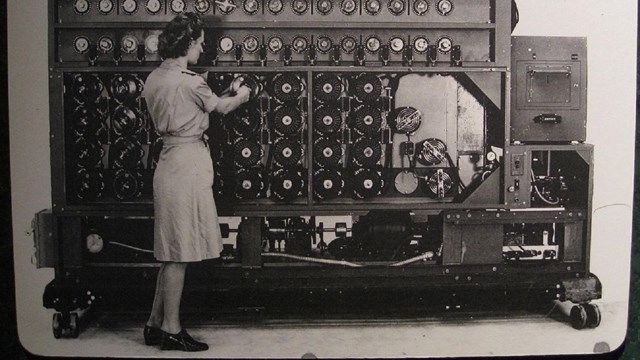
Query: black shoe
column 152, row 335
column 181, row 341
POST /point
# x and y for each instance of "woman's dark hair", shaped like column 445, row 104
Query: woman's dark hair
column 175, row 39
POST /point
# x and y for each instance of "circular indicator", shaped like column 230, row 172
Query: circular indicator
column 81, row 6
column 250, row 44
column 225, row 44
column 444, row 7
column 177, row 6
column 396, row 7
column 406, row 182
column 444, row 45
column 275, row 44
column 373, row 44
column 153, row 6
column 372, row 7
column 130, row 6
column 491, row 156
column 81, row 44
column 105, row 6
column 348, row 44
column 348, row 7
column 226, row 6
column 275, row 6
column 251, row 6
column 420, row 44
column 396, row 44
column 105, row 44
column 202, row 6
column 324, row 6
column 94, row 243
column 420, row 7
column 324, row 44
column 129, row 44
column 300, row 6
column 299, row 44
column 151, row 44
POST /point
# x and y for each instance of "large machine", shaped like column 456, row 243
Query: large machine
column 390, row 146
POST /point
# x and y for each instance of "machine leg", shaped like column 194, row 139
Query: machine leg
column 585, row 315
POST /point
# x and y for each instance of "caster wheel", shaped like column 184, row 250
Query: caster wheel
column 593, row 315
column 578, row 317
column 56, row 326
column 74, row 326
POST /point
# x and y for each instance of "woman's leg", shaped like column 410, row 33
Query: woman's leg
column 157, row 310
column 171, row 292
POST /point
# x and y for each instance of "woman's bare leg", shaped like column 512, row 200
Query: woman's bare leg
column 157, row 310
column 171, row 292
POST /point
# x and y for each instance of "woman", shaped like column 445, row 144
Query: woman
column 186, row 222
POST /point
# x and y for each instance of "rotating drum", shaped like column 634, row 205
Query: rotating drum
column 247, row 153
column 327, row 184
column 367, row 87
column 367, row 121
column 367, row 183
column 89, row 184
column 245, row 121
column 287, row 120
column 126, row 88
column 126, row 121
column 127, row 185
column 127, row 154
column 327, row 151
column 327, row 87
column 249, row 184
column 287, row 184
column 431, row 152
column 286, row 87
column 439, row 184
column 88, row 154
column 327, row 119
column 86, row 88
column 366, row 152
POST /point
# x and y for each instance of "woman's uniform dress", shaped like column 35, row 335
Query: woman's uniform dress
column 186, row 220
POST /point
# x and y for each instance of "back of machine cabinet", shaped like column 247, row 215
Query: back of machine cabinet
column 402, row 145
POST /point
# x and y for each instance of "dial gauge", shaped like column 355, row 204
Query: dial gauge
column 251, row 6
column 444, row 44
column 81, row 44
column 420, row 44
column 348, row 44
column 373, row 44
column 129, row 44
column 324, row 44
column 348, row 7
column 225, row 44
column 444, row 7
column 226, row 6
column 396, row 7
column 396, row 44
column 372, row 7
column 94, row 243
column 153, row 6
column 202, row 6
column 177, row 6
column 105, row 44
column 250, row 44
column 300, row 6
column 130, row 6
column 324, row 6
column 299, row 44
column 275, row 6
column 81, row 6
column 275, row 44
column 151, row 44
column 105, row 6
column 420, row 7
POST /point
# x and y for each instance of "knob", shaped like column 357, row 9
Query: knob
column 105, row 6
column 348, row 7
column 250, row 6
column 81, row 6
column 444, row 7
column 130, row 6
column 153, row 6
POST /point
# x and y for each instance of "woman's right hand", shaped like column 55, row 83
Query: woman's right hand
column 244, row 92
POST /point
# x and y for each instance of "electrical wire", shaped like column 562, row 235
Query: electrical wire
column 535, row 188
column 311, row 259
column 425, row 256
column 131, row 247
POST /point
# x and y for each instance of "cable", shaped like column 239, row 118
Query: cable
column 310, row 259
column 426, row 256
column 131, row 247
column 535, row 187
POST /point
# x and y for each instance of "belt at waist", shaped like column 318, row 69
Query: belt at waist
column 177, row 140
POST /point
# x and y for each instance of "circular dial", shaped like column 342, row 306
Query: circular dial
column 177, row 6
column 420, row 7
column 126, row 121
column 406, row 182
column 81, row 6
column 202, row 6
column 327, row 151
column 81, row 44
column 324, row 44
column 129, row 44
column 420, row 44
column 287, row 120
column 372, row 7
column 249, row 184
column 348, row 7
column 247, row 153
column 491, row 156
column 367, row 121
column 286, row 87
column 105, row 6
column 275, row 6
column 151, row 44
column 431, row 152
column 125, row 88
column 94, row 243
column 372, row 44
column 396, row 44
column 226, row 44
column 130, row 6
column 396, row 7
column 444, row 44
column 299, row 44
column 327, row 183
column 327, row 87
column 367, row 183
column 300, row 6
column 324, row 6
column 327, row 119
column 153, row 6
column 439, row 184
column 287, row 152
column 89, row 185
column 444, row 7
column 251, row 6
column 86, row 88
column 250, row 44
column 287, row 184
column 226, row 6
column 127, row 154
column 275, row 44
column 348, row 44
column 127, row 185
column 368, row 87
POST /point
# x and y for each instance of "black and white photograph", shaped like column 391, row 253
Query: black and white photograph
column 321, row 178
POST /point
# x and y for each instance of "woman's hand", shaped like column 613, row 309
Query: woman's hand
column 244, row 92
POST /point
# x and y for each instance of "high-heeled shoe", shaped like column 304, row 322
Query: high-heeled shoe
column 152, row 335
column 181, row 341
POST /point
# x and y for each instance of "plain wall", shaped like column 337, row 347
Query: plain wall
column 611, row 30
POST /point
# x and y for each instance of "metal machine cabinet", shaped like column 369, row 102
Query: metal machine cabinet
column 378, row 154
column 549, row 89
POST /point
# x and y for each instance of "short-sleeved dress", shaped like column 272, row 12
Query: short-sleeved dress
column 186, row 224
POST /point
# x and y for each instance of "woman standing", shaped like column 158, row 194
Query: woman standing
column 186, row 221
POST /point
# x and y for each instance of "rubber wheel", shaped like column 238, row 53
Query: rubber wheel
column 74, row 326
column 593, row 315
column 55, row 325
column 578, row 317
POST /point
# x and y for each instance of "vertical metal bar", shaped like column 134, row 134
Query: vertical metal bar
column 251, row 244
